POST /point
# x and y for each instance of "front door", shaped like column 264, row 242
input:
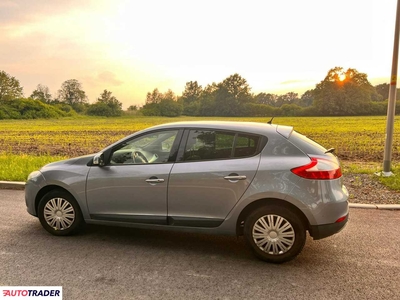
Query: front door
column 132, row 186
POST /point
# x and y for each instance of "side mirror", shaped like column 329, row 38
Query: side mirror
column 98, row 160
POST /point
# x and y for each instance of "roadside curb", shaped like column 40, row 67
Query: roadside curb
column 20, row 185
column 375, row 206
column 12, row 185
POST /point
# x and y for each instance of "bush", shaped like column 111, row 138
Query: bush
column 99, row 109
column 28, row 109
column 378, row 108
column 103, row 109
column 65, row 108
column 259, row 110
column 151, row 109
column 170, row 108
column 191, row 109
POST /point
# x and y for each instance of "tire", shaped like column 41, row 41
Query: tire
column 59, row 213
column 275, row 234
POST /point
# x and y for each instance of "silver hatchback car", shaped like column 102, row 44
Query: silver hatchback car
column 264, row 181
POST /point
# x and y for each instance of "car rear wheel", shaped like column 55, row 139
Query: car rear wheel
column 59, row 213
column 275, row 234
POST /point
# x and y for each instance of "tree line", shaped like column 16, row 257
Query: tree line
column 70, row 100
column 340, row 93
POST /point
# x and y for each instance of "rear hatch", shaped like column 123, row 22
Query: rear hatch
column 324, row 165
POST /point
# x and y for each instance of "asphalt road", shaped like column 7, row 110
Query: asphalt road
column 361, row 262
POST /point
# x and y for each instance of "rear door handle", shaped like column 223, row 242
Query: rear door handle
column 154, row 180
column 235, row 177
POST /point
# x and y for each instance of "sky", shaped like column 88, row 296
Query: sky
column 132, row 47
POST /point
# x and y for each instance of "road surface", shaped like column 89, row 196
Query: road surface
column 361, row 262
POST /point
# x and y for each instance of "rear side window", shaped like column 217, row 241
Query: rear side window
column 215, row 145
column 306, row 145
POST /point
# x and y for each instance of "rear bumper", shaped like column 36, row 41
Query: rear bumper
column 322, row 231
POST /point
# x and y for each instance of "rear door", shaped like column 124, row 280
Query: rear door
column 213, row 170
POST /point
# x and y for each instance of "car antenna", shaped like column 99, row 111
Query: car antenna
column 270, row 121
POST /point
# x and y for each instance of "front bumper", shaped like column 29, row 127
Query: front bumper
column 32, row 187
column 322, row 231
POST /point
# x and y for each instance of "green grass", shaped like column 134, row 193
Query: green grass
column 392, row 182
column 361, row 167
column 17, row 167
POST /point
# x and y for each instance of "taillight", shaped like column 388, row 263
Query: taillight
column 341, row 219
column 319, row 169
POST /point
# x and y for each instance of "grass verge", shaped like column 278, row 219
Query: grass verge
column 372, row 169
column 18, row 167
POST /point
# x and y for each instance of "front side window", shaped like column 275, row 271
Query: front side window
column 150, row 148
column 213, row 145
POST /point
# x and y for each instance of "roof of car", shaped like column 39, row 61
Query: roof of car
column 251, row 127
column 246, row 126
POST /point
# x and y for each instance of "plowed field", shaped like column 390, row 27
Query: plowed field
column 354, row 138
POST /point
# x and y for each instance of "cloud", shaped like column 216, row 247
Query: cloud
column 13, row 12
column 108, row 77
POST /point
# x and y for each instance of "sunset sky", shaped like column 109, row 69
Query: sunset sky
column 132, row 47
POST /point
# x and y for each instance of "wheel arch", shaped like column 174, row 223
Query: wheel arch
column 46, row 190
column 264, row 202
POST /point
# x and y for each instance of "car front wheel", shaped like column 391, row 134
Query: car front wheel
column 275, row 234
column 59, row 213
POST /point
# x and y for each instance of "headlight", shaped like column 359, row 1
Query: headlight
column 34, row 175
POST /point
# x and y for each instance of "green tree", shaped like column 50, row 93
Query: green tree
column 267, row 99
column 232, row 93
column 343, row 93
column 207, row 100
column 71, row 93
column 383, row 90
column 10, row 87
column 159, row 104
column 190, row 98
column 192, row 92
column 154, row 97
column 237, row 87
column 42, row 93
column 106, row 105
column 133, row 108
column 288, row 98
column 307, row 98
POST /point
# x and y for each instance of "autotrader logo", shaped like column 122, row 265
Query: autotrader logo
column 30, row 292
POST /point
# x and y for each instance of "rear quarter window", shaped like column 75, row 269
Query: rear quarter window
column 306, row 144
column 246, row 145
